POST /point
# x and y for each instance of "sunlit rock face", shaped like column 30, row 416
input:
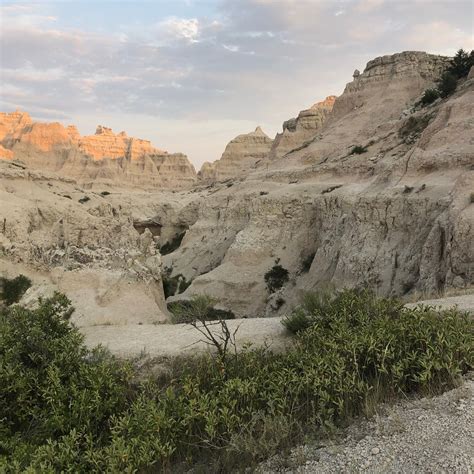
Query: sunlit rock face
column 103, row 157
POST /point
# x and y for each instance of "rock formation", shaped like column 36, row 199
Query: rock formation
column 375, row 193
column 395, row 215
column 104, row 157
column 299, row 130
column 240, row 156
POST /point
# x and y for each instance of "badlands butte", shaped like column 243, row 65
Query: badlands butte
column 365, row 189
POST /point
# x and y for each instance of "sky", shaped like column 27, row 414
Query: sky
column 190, row 75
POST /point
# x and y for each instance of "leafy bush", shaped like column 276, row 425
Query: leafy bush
column 69, row 409
column 199, row 308
column 11, row 290
column 358, row 150
column 447, row 84
column 172, row 245
column 52, row 388
column 276, row 277
column 429, row 96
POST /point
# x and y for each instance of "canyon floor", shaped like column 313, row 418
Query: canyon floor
column 166, row 340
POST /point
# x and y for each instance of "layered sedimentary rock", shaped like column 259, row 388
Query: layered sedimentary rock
column 395, row 215
column 240, row 156
column 297, row 131
column 378, row 196
column 105, row 157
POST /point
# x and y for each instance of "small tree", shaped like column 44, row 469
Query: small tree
column 216, row 332
column 447, row 84
column 461, row 63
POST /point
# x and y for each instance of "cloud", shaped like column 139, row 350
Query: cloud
column 252, row 61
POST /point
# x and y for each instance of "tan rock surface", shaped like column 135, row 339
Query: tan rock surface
column 240, row 156
column 297, row 131
column 105, row 157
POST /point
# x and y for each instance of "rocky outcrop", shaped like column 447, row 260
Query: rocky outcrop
column 376, row 193
column 379, row 198
column 80, row 243
column 105, row 157
column 240, row 156
column 297, row 131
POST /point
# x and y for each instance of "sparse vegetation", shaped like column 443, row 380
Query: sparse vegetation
column 174, row 285
column 198, row 308
column 84, row 199
column 66, row 408
column 276, row 277
column 11, row 290
column 104, row 193
column 447, row 84
column 173, row 244
column 471, row 197
column 358, row 150
column 458, row 69
column 414, row 125
column 429, row 96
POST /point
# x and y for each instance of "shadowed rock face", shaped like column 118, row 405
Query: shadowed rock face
column 240, row 156
column 103, row 157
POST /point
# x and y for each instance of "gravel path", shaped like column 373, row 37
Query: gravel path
column 429, row 435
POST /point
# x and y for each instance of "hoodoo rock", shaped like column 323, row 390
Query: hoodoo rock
column 105, row 157
column 240, row 156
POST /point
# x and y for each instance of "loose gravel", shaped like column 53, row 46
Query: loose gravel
column 428, row 435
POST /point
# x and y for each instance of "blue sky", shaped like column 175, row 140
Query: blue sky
column 190, row 74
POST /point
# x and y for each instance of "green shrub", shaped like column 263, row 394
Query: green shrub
column 447, row 84
column 69, row 409
column 11, row 290
column 358, row 150
column 52, row 387
column 173, row 244
column 429, row 96
column 276, row 277
column 198, row 308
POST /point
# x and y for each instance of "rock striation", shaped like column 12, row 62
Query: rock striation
column 395, row 215
column 297, row 131
column 240, row 156
column 375, row 193
column 105, row 157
